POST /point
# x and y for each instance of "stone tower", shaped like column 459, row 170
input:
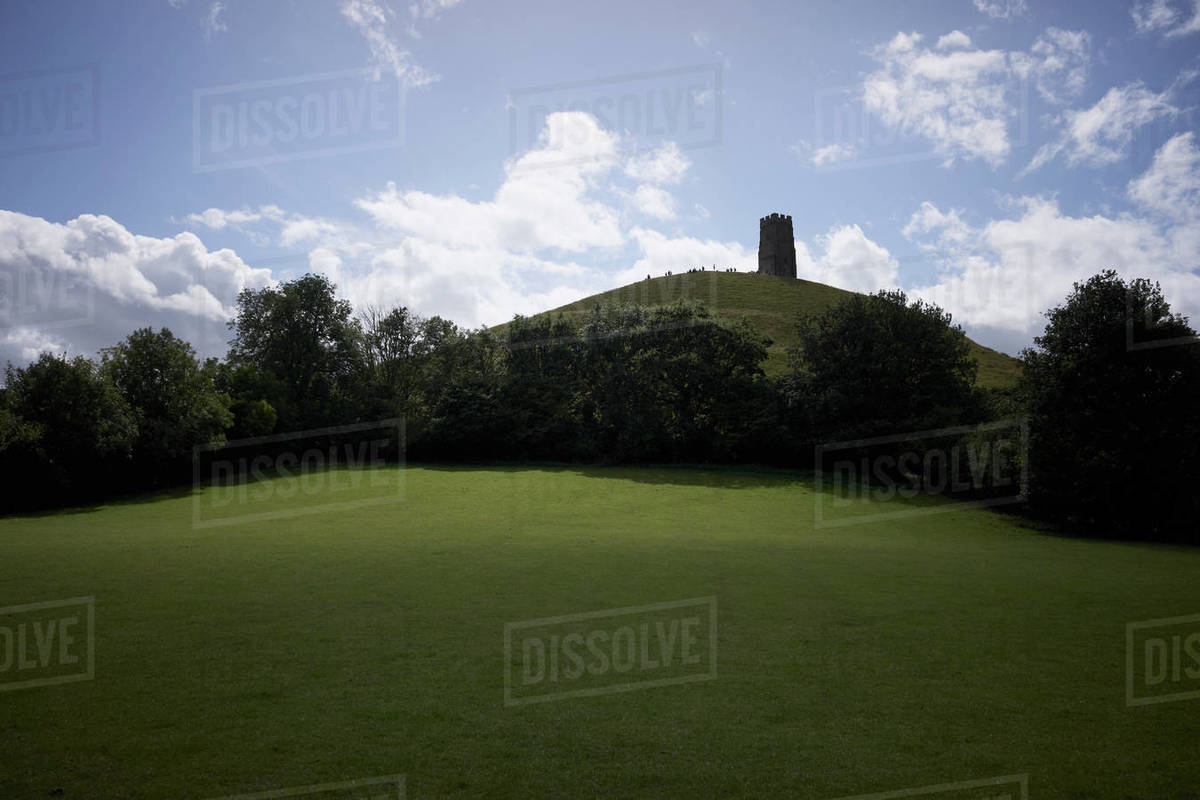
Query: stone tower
column 776, row 246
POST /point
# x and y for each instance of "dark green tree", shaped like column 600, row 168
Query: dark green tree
column 540, row 388
column 68, row 431
column 301, row 334
column 666, row 383
column 467, row 419
column 394, row 354
column 1115, row 430
column 879, row 364
column 174, row 401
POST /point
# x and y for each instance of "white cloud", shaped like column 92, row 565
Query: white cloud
column 469, row 286
column 830, row 153
column 212, row 22
column 217, row 219
column 430, row 9
column 928, row 218
column 659, row 253
column 1192, row 25
column 1057, row 63
column 1150, row 16
column 480, row 262
column 963, row 100
column 665, row 164
column 955, row 99
column 1171, row 186
column 298, row 230
column 953, row 40
column 1003, row 275
column 373, row 21
column 24, row 344
column 325, row 261
column 1102, row 134
column 1026, row 265
column 849, row 260
column 426, row 10
column 87, row 283
column 543, row 203
column 289, row 229
column 654, row 201
column 1001, row 9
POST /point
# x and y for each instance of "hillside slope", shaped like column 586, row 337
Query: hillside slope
column 770, row 304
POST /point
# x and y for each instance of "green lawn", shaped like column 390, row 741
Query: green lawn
column 367, row 640
column 771, row 304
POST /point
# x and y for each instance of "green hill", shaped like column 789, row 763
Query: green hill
column 770, row 304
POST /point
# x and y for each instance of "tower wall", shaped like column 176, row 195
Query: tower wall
column 776, row 246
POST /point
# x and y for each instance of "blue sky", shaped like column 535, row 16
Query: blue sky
column 980, row 153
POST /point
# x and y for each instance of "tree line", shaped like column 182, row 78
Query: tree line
column 1113, row 449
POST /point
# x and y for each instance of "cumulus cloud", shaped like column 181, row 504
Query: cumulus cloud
column 554, row 231
column 962, row 99
column 953, row 40
column 1057, row 64
column 1102, row 134
column 955, row 99
column 86, row 283
column 665, row 164
column 659, row 252
column 654, row 201
column 1002, row 275
column 481, row 261
column 1171, row 186
column 846, row 258
column 948, row 225
column 544, row 201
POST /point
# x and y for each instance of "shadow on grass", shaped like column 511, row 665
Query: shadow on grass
column 716, row 476
column 88, row 507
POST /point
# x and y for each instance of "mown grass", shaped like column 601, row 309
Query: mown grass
column 771, row 304
column 368, row 640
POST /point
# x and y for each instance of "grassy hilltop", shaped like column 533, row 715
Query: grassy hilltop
column 770, row 304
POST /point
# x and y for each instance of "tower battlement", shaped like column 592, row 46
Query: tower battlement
column 776, row 246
